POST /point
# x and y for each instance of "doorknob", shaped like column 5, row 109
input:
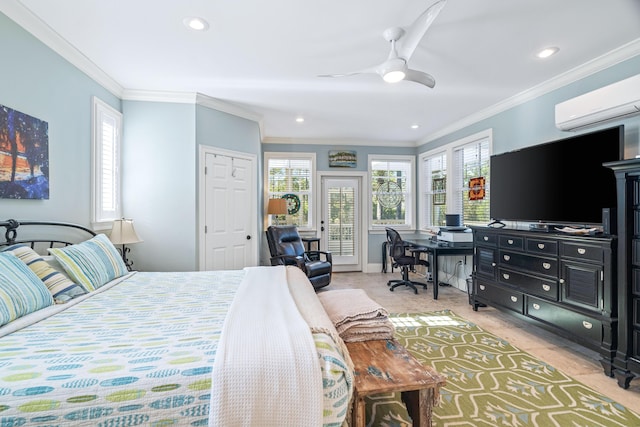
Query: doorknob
column 248, row 237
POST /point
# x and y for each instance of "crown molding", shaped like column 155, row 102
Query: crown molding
column 41, row 31
column 600, row 63
column 337, row 142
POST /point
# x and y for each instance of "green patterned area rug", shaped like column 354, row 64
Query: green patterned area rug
column 490, row 382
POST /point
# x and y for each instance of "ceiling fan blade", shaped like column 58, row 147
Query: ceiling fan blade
column 370, row 70
column 415, row 33
column 420, row 77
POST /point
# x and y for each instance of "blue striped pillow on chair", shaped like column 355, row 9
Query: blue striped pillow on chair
column 92, row 263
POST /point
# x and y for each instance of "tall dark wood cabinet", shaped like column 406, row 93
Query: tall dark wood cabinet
column 564, row 283
column 627, row 360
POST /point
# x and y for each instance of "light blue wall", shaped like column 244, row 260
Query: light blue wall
column 159, row 183
column 38, row 82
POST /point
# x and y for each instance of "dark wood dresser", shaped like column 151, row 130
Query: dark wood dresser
column 564, row 283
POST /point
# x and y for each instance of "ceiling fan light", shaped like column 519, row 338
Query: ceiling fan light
column 394, row 76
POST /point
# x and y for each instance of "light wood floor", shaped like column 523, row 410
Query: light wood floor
column 572, row 359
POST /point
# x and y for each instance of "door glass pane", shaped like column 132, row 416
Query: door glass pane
column 341, row 221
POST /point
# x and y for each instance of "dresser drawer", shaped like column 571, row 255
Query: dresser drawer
column 545, row 288
column 511, row 242
column 508, row 298
column 581, row 251
column 580, row 325
column 484, row 238
column 542, row 246
column 529, row 263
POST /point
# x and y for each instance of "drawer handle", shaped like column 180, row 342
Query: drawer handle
column 514, row 299
column 540, row 245
column 546, row 265
column 506, row 257
column 587, row 325
column 536, row 306
column 493, row 264
column 582, row 251
column 561, row 280
column 510, row 241
column 483, row 287
column 546, row 288
column 485, row 238
column 506, row 276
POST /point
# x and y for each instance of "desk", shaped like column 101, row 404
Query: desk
column 438, row 249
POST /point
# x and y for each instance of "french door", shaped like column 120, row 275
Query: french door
column 340, row 221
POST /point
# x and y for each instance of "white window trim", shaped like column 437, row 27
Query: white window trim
column 313, row 197
column 410, row 222
column 100, row 218
column 449, row 148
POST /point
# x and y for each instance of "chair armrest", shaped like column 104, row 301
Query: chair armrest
column 288, row 260
column 316, row 255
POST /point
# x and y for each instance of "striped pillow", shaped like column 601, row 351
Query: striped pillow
column 60, row 286
column 91, row 263
column 21, row 292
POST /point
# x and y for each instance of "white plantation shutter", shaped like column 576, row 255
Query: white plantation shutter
column 292, row 174
column 391, row 181
column 470, row 161
column 433, row 206
column 106, row 144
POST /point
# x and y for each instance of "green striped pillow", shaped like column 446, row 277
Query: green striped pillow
column 91, row 263
column 58, row 284
column 21, row 291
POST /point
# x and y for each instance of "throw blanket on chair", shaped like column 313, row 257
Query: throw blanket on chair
column 266, row 370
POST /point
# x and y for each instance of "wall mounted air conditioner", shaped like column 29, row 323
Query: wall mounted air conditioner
column 612, row 102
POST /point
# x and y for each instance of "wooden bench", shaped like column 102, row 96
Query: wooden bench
column 383, row 366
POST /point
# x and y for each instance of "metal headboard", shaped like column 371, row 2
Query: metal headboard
column 43, row 234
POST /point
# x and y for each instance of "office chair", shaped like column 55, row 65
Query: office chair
column 404, row 256
column 286, row 248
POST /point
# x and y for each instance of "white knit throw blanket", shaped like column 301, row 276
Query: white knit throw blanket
column 266, row 371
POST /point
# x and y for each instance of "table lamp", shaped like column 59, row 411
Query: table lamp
column 124, row 234
column 277, row 207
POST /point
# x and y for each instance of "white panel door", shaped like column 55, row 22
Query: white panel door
column 340, row 223
column 228, row 240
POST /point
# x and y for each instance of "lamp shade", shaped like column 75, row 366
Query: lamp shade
column 123, row 232
column 277, row 207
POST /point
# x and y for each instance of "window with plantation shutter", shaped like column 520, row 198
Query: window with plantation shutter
column 290, row 176
column 391, row 181
column 105, row 176
column 455, row 179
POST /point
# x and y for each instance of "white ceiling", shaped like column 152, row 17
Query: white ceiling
column 265, row 55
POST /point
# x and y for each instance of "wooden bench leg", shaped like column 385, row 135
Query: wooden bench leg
column 358, row 412
column 419, row 406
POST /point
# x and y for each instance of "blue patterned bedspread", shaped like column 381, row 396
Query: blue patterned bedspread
column 138, row 354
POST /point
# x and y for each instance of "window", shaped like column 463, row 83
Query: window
column 391, row 183
column 105, row 174
column 455, row 179
column 290, row 176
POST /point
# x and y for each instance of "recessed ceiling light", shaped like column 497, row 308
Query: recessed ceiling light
column 547, row 52
column 299, row 119
column 195, row 23
column 415, row 126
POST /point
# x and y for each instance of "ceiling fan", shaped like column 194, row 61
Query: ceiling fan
column 403, row 44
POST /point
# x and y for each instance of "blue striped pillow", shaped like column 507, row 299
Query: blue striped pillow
column 21, row 291
column 60, row 286
column 91, row 263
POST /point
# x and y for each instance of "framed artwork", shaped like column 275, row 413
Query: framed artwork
column 476, row 188
column 439, row 188
column 342, row 159
column 24, row 156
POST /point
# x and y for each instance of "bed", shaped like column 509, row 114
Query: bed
column 245, row 347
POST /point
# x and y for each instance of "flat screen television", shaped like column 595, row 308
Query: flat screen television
column 558, row 182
